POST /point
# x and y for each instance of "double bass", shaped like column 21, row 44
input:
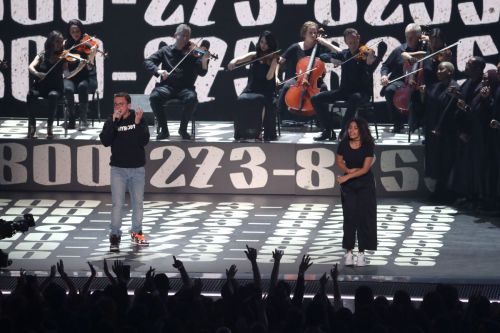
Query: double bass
column 298, row 97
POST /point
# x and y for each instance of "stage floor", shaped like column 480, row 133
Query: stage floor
column 418, row 242
column 206, row 131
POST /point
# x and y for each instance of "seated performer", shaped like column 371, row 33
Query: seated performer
column 180, row 67
column 355, row 84
column 84, row 79
column 394, row 66
column 259, row 92
column 289, row 59
column 47, row 87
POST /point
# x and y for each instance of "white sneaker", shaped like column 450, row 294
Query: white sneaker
column 361, row 259
column 348, row 260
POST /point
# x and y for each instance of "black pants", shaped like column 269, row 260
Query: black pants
column 83, row 87
column 359, row 206
column 394, row 115
column 46, row 101
column 163, row 93
column 321, row 101
column 248, row 117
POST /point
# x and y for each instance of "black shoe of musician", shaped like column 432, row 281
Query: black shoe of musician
column 164, row 134
column 184, row 135
column 326, row 135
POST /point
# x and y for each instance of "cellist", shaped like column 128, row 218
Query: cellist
column 288, row 60
column 393, row 68
column 355, row 85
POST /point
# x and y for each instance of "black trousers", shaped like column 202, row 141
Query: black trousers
column 48, row 105
column 396, row 117
column 359, row 206
column 82, row 86
column 163, row 93
column 321, row 101
column 248, row 118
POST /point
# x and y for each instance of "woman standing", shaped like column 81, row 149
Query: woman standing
column 359, row 204
column 259, row 91
column 47, row 70
column 83, row 78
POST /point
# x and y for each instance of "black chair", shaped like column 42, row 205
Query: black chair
column 367, row 110
column 176, row 107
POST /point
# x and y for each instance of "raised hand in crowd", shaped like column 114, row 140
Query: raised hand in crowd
column 65, row 278
column 120, row 271
column 186, row 280
column 85, row 289
column 231, row 285
column 298, row 294
column 49, row 278
column 337, row 299
column 277, row 255
column 251, row 254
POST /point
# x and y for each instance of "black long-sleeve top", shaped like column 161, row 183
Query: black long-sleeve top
column 169, row 56
column 394, row 63
column 356, row 76
column 127, row 140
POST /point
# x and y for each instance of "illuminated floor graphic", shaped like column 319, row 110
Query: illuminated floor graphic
column 417, row 241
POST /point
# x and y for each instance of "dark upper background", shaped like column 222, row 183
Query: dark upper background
column 125, row 33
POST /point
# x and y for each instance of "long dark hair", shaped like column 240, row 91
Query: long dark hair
column 271, row 43
column 50, row 41
column 78, row 23
column 364, row 132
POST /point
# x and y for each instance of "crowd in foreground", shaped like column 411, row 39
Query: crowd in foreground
column 49, row 307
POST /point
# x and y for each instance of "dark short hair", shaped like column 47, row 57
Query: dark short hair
column 479, row 61
column 350, row 31
column 125, row 95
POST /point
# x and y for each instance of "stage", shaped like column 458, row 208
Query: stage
column 420, row 244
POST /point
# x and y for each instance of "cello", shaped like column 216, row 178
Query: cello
column 414, row 78
column 298, row 96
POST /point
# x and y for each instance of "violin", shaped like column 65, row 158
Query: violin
column 86, row 44
column 71, row 57
column 200, row 51
column 363, row 52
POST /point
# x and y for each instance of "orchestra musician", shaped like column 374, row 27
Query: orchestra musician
column 288, row 60
column 392, row 68
column 180, row 66
column 430, row 65
column 257, row 97
column 47, row 87
column 355, row 86
column 83, row 79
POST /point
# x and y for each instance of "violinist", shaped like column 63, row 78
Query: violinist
column 355, row 86
column 82, row 75
column 47, row 87
column 436, row 37
column 393, row 68
column 257, row 97
column 180, row 66
column 288, row 60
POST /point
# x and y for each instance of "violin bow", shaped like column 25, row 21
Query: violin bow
column 254, row 60
column 296, row 76
column 438, row 51
column 403, row 76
